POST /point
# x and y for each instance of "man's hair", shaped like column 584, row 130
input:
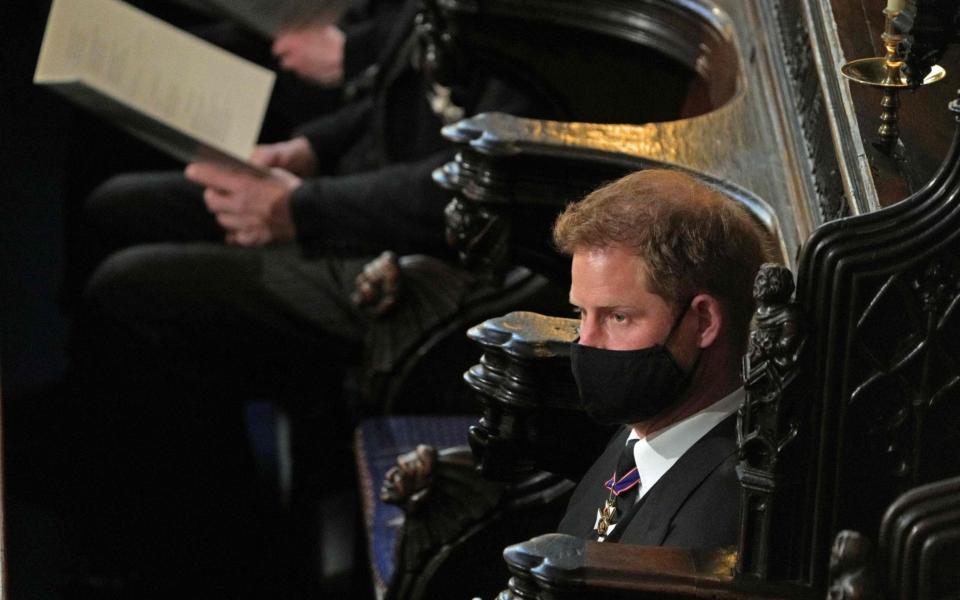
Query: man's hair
column 692, row 238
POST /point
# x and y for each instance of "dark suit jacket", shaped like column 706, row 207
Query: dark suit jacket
column 695, row 504
column 374, row 190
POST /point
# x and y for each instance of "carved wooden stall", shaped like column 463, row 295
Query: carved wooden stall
column 851, row 383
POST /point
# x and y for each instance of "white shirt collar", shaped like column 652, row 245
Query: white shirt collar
column 656, row 453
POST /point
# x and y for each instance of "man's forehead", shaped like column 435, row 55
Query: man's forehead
column 594, row 254
column 593, row 264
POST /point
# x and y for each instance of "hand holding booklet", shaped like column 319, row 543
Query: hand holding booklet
column 169, row 88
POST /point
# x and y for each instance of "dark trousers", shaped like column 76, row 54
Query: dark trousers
column 173, row 332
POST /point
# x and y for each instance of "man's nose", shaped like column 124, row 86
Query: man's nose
column 590, row 334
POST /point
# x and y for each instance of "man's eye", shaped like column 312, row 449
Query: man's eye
column 619, row 317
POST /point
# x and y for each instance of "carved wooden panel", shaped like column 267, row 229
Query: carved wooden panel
column 877, row 376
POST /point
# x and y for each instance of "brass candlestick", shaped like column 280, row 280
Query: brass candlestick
column 887, row 72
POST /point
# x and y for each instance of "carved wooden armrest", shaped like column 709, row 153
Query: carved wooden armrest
column 559, row 566
column 410, row 299
column 531, row 410
column 453, row 517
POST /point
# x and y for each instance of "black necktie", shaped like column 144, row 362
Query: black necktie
column 622, row 491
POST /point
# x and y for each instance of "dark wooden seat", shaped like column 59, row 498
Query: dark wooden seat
column 571, row 53
column 920, row 544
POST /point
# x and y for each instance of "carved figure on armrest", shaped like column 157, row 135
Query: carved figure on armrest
column 851, row 568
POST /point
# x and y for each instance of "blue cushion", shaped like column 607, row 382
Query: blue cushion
column 378, row 442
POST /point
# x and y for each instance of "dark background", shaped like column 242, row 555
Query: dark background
column 51, row 154
column 33, row 148
column 35, row 135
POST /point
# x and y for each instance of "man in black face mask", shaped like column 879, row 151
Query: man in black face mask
column 662, row 274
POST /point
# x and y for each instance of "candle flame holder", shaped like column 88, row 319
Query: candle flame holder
column 888, row 72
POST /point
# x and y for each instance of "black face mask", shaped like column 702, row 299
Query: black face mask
column 627, row 386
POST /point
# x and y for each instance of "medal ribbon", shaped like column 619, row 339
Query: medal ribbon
column 629, row 480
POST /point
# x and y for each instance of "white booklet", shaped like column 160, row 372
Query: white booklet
column 173, row 90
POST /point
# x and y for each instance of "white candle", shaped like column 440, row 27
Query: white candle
column 895, row 6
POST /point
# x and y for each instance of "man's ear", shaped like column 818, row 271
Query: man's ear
column 710, row 319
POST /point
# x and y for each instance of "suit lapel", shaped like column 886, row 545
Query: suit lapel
column 649, row 521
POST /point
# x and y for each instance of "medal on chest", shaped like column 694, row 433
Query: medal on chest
column 622, row 492
column 607, row 515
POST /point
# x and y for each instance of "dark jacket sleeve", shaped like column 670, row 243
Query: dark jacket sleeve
column 710, row 517
column 366, row 28
column 364, row 41
column 397, row 207
column 330, row 135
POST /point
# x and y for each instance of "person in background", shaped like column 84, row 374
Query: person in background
column 203, row 293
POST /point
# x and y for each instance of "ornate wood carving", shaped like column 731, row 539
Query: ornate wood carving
column 406, row 307
column 378, row 285
column 808, row 107
column 442, row 498
column 419, row 308
column 771, row 427
column 453, row 518
column 481, row 238
column 882, row 361
column 910, row 375
column 852, row 568
column 529, row 398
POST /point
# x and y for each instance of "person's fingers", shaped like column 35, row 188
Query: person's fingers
column 215, row 176
column 243, row 238
column 218, row 201
column 232, row 222
column 265, row 155
column 290, row 61
column 282, row 43
column 251, row 237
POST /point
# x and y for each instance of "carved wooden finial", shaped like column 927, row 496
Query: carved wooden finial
column 442, row 496
column 851, row 568
column 776, row 335
column 408, row 482
column 769, row 424
column 773, row 285
column 378, row 285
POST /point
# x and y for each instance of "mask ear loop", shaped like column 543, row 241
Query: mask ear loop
column 673, row 328
column 679, row 319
